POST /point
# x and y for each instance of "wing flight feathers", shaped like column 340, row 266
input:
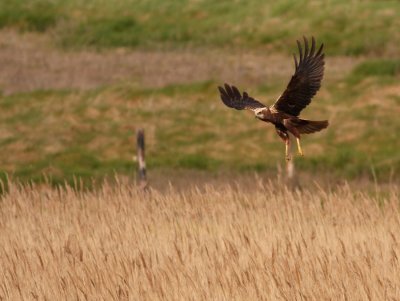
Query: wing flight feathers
column 231, row 97
column 305, row 82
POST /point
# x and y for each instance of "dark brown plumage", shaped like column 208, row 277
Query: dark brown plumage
column 304, row 84
column 232, row 98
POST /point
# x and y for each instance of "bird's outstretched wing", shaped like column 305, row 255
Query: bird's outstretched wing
column 305, row 82
column 232, row 98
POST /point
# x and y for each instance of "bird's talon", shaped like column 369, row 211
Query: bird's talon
column 299, row 147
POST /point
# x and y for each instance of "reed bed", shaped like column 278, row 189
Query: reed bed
column 208, row 243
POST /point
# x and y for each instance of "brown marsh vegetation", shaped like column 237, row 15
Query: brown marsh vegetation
column 223, row 242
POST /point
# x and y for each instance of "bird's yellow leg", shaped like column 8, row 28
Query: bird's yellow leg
column 299, row 147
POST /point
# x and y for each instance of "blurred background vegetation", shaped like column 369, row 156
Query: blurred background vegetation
column 78, row 77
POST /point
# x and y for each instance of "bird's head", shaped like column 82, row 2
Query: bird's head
column 259, row 113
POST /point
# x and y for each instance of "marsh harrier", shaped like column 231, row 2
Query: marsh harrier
column 284, row 113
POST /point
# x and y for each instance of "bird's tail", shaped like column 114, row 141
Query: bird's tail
column 309, row 126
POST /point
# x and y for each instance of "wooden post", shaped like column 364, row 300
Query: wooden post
column 291, row 178
column 290, row 171
column 142, row 177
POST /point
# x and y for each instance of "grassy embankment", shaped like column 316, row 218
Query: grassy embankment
column 90, row 133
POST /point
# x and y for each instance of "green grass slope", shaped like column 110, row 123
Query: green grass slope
column 350, row 28
column 92, row 134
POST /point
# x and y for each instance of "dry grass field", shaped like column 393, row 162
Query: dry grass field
column 209, row 243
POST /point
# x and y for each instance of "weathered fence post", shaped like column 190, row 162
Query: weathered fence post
column 290, row 171
column 142, row 177
column 291, row 177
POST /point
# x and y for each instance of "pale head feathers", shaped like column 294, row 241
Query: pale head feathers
column 259, row 112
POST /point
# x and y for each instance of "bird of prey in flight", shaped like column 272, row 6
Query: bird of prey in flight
column 284, row 113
